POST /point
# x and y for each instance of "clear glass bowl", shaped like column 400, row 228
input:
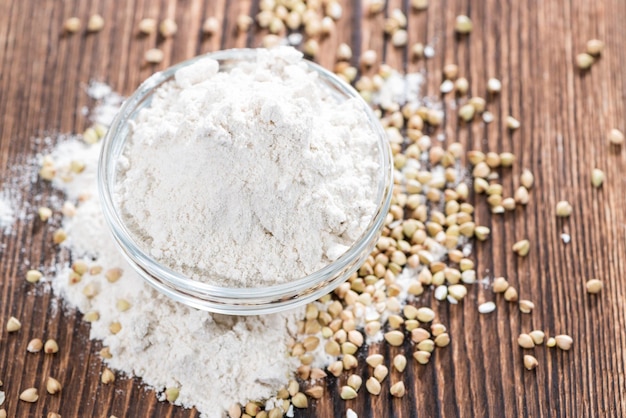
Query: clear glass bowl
column 237, row 301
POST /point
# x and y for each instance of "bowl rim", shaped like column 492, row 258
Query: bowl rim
column 135, row 254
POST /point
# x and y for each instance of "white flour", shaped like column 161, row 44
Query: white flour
column 7, row 216
column 248, row 178
column 215, row 360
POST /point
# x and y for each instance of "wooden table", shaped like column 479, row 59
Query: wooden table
column 565, row 116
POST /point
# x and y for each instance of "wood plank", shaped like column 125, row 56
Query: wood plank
column 565, row 115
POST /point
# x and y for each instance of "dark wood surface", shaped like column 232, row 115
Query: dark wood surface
column 565, row 115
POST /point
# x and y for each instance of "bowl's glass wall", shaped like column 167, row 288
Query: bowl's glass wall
column 242, row 301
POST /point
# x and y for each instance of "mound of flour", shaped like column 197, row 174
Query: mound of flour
column 215, row 360
column 251, row 177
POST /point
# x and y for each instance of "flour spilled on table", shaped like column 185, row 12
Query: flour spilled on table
column 13, row 207
column 192, row 358
column 216, row 362
column 209, row 361
column 7, row 216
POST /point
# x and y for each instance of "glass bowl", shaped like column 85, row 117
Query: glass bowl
column 225, row 300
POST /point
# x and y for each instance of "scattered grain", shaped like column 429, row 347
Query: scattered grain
column 71, row 25
column 375, row 360
column 537, row 336
column 91, row 290
column 33, row 276
column 349, row 362
column 154, row 56
column 397, row 389
column 419, row 334
column 530, row 362
column 107, row 376
column 422, row 357
column 521, row 195
column 584, row 61
column 510, row 295
column 525, row 341
column 252, row 409
column 123, row 305
column 115, row 327
column 315, row 392
column 106, row 353
column 475, row 156
column 147, row 26
column 399, row 38
column 446, row 87
column 526, row 306
column 59, row 236
column 512, row 123
column 419, row 5
column 451, row 71
column 355, row 381
column 34, row 346
column 373, row 386
column 369, row 58
column 487, row 307
column 380, row 372
column 335, row 368
column 442, row 340
column 494, row 86
column 344, row 52
column 347, row 393
column 507, row 159
column 394, row 338
column 593, row 286
column 463, row 25
column 375, row 6
column 114, row 274
column 417, row 50
column 425, row 315
column 564, row 342
column 595, row 47
column 457, row 291
column 500, row 285
column 521, row 248
column 399, row 362
column 461, row 85
column 29, row 395
column 481, row 232
column 44, row 213
column 13, row 324
column 597, row 177
column 616, row 137
column 95, row 23
column 508, row 203
column 210, row 26
column 311, row 47
column 80, row 267
column 51, row 347
column 53, row 386
column 563, row 209
column 466, row 112
column 168, row 28
column 90, row 136
column 479, row 103
column 299, row 400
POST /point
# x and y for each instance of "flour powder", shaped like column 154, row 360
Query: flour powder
column 214, row 360
column 6, row 214
column 251, row 177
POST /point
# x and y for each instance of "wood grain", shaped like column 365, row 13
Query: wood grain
column 565, row 116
